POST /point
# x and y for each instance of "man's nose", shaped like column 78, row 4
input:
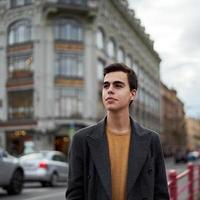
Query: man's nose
column 110, row 89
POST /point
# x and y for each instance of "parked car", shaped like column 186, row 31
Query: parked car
column 180, row 156
column 193, row 155
column 11, row 173
column 46, row 167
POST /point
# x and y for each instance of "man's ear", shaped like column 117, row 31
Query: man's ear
column 133, row 94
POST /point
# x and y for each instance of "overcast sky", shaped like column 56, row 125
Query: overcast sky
column 175, row 28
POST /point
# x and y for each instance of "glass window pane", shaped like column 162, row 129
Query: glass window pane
column 19, row 2
column 100, row 67
column 111, row 48
column 70, row 64
column 100, row 39
column 120, row 55
column 68, row 30
column 19, row 32
column 11, row 37
column 128, row 61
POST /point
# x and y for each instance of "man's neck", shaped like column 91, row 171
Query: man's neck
column 118, row 122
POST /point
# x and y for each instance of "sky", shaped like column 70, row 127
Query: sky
column 174, row 26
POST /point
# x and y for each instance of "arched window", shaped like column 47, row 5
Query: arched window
column 100, row 67
column 100, row 38
column 136, row 68
column 19, row 32
column 68, row 29
column 17, row 3
column 128, row 61
column 111, row 48
column 76, row 2
column 120, row 55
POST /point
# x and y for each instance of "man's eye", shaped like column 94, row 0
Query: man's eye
column 118, row 85
column 105, row 86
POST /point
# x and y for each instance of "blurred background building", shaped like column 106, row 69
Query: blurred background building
column 193, row 130
column 52, row 55
column 173, row 123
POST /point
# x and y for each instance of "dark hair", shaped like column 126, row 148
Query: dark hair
column 132, row 78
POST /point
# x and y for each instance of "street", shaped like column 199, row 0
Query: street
column 34, row 191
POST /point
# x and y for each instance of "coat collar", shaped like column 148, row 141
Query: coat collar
column 98, row 145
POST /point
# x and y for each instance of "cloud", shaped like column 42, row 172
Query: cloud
column 175, row 28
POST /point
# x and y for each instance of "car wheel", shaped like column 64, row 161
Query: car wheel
column 16, row 183
column 44, row 184
column 54, row 180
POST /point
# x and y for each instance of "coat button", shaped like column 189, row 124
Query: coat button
column 89, row 176
column 150, row 171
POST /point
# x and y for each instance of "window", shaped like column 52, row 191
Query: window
column 69, row 65
column 68, row 29
column 77, row 2
column 136, row 68
column 111, row 48
column 19, row 32
column 100, row 39
column 17, row 3
column 120, row 55
column 100, row 67
column 18, row 63
column 20, row 105
column 128, row 61
column 69, row 102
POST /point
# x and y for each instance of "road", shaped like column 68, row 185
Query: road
column 36, row 192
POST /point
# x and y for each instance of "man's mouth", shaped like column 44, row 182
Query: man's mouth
column 110, row 99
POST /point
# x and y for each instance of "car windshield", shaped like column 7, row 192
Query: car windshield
column 34, row 156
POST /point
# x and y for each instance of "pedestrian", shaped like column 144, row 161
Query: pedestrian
column 117, row 159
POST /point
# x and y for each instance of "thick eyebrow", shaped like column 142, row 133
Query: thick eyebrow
column 115, row 82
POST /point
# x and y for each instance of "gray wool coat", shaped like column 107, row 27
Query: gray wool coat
column 89, row 175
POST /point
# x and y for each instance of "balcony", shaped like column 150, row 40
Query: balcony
column 20, row 113
column 20, row 78
column 20, row 74
column 81, row 7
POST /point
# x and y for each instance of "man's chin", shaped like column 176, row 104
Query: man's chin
column 111, row 108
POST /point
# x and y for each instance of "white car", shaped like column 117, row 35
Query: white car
column 11, row 173
column 46, row 167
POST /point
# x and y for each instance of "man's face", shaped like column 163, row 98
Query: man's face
column 116, row 94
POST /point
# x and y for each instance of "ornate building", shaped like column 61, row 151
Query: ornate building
column 52, row 56
column 173, row 132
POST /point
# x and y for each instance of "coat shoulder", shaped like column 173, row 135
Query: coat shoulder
column 82, row 133
column 143, row 130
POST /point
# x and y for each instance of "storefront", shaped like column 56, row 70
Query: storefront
column 63, row 136
column 17, row 140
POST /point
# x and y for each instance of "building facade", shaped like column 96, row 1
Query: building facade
column 173, row 132
column 193, row 133
column 52, row 56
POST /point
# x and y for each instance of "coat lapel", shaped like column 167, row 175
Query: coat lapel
column 138, row 152
column 98, row 146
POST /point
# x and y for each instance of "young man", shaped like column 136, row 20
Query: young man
column 117, row 159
